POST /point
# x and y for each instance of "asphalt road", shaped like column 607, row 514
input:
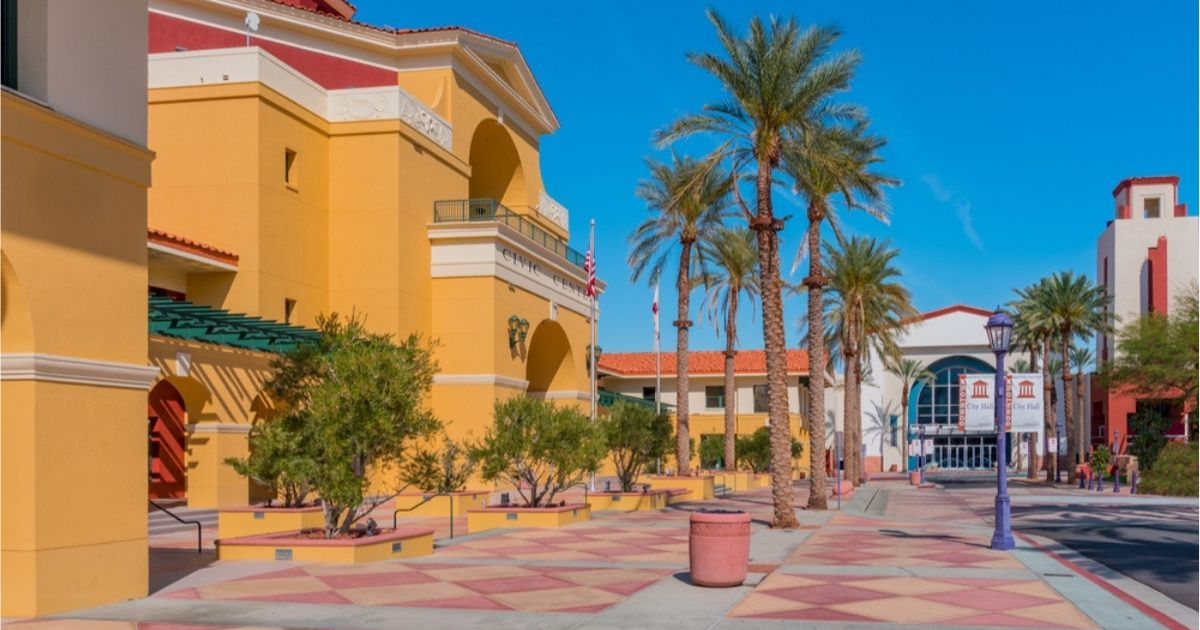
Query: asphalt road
column 1156, row 545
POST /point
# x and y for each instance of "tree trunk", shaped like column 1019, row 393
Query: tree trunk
column 904, row 428
column 1080, row 434
column 1049, row 423
column 850, row 448
column 775, row 344
column 1069, row 406
column 860, row 464
column 683, row 284
column 816, row 365
column 730, row 385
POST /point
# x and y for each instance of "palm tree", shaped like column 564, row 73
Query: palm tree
column 688, row 202
column 732, row 270
column 1081, row 356
column 779, row 81
column 865, row 314
column 910, row 372
column 1033, row 329
column 1075, row 307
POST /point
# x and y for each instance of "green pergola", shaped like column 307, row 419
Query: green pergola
column 184, row 320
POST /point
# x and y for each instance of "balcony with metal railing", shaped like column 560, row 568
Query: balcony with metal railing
column 490, row 210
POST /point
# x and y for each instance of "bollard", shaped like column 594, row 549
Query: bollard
column 1117, row 480
column 1100, row 482
column 1133, row 482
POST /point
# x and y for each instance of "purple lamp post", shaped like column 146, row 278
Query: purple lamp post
column 999, row 331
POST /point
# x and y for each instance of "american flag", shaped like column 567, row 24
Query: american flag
column 589, row 266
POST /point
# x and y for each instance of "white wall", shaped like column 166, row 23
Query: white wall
column 696, row 384
column 86, row 60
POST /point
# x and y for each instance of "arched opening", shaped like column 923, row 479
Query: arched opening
column 166, row 416
column 496, row 167
column 934, row 405
column 550, row 365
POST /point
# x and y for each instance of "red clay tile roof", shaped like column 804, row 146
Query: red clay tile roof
column 167, row 239
column 333, row 14
column 1151, row 179
column 700, row 362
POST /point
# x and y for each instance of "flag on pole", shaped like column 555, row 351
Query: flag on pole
column 589, row 266
column 654, row 309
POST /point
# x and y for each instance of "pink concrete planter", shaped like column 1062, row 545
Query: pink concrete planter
column 719, row 547
column 843, row 488
column 914, row 478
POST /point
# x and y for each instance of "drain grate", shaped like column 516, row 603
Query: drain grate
column 1069, row 575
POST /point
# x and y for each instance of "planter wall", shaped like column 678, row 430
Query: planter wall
column 405, row 542
column 255, row 520
column 700, row 487
column 495, row 517
column 628, row 501
column 762, row 480
column 440, row 506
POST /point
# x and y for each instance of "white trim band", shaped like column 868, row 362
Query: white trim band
column 30, row 366
column 562, row 394
column 218, row 427
column 480, row 379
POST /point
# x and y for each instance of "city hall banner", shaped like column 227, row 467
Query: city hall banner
column 977, row 402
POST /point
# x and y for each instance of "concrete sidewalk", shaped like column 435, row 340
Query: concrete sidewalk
column 894, row 556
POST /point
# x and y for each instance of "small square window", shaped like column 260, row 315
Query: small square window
column 1151, row 207
column 714, row 396
column 648, row 393
column 289, row 307
column 291, row 177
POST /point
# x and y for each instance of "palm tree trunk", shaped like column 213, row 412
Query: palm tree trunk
column 1048, row 412
column 683, row 285
column 775, row 344
column 730, row 385
column 1080, row 437
column 816, row 366
column 849, row 393
column 1031, row 438
column 1069, row 406
column 860, row 469
column 904, row 428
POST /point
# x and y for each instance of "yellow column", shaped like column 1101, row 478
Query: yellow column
column 211, row 483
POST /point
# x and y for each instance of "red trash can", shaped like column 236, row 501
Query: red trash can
column 719, row 547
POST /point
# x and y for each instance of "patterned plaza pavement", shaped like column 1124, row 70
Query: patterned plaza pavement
column 894, row 556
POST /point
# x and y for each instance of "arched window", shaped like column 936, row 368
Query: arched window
column 937, row 401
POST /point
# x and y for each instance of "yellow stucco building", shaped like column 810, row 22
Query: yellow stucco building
column 171, row 220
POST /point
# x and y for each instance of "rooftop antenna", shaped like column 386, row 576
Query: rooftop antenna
column 252, row 22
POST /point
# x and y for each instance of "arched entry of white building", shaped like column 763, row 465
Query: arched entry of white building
column 934, row 405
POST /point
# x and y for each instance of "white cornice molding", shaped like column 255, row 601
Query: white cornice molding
column 377, row 47
column 254, row 65
column 29, row 366
column 563, row 394
column 497, row 380
column 218, row 427
column 207, row 264
column 479, row 250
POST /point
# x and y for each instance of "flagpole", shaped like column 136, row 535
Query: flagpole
column 592, row 361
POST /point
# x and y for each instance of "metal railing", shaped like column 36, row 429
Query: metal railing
column 199, row 527
column 478, row 210
column 395, row 514
column 605, row 398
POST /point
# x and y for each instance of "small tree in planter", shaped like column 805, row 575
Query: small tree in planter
column 280, row 460
column 539, row 448
column 636, row 437
column 1101, row 457
column 754, row 450
column 442, row 470
column 358, row 398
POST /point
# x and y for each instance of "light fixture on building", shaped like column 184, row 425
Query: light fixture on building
column 518, row 329
column 183, row 363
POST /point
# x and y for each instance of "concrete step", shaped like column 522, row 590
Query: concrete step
column 161, row 523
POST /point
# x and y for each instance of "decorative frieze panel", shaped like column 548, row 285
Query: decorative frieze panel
column 554, row 211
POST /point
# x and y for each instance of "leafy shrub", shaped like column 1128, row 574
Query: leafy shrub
column 445, row 469
column 1101, row 457
column 538, row 448
column 1149, row 428
column 279, row 460
column 754, row 451
column 636, row 437
column 712, row 451
column 1174, row 473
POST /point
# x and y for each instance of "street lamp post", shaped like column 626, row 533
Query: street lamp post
column 999, row 331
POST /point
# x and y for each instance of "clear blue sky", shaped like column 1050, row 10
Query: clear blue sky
column 1009, row 124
